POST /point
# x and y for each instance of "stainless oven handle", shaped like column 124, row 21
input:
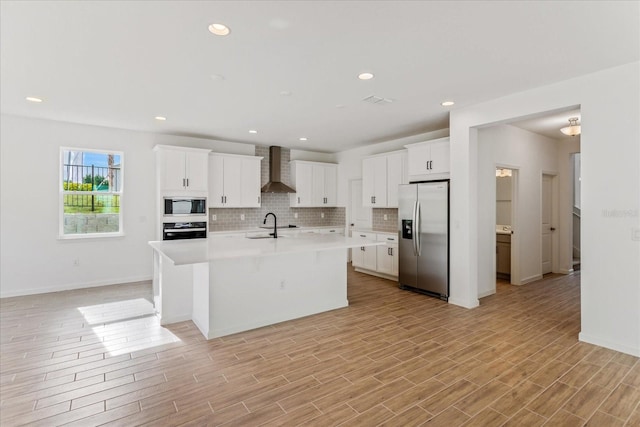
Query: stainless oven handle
column 183, row 230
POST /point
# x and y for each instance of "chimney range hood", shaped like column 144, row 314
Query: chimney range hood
column 275, row 184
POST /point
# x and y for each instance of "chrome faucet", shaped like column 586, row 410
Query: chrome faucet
column 275, row 224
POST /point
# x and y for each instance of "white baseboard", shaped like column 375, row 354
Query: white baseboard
column 472, row 303
column 486, row 293
column 531, row 279
column 73, row 286
column 565, row 271
column 603, row 342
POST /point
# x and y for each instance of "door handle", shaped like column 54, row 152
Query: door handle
column 414, row 239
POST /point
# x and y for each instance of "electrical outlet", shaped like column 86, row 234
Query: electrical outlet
column 214, row 217
column 321, row 214
column 241, row 217
column 76, row 262
column 295, row 215
column 386, row 217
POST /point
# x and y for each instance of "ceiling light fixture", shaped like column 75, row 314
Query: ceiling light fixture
column 573, row 129
column 447, row 103
column 219, row 29
column 160, row 118
column 365, row 76
column 303, row 139
column 253, row 131
column 33, row 99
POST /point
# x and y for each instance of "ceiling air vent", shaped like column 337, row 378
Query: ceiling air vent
column 377, row 100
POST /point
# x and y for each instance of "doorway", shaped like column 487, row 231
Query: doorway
column 504, row 222
column 359, row 216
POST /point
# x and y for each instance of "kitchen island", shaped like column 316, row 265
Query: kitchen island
column 231, row 285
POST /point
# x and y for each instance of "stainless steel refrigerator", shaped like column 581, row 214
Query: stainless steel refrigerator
column 423, row 221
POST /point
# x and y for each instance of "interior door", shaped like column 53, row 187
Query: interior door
column 546, row 227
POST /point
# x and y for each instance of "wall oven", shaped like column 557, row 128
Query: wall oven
column 185, row 206
column 184, row 230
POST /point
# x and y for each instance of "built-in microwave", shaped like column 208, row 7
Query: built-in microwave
column 184, row 206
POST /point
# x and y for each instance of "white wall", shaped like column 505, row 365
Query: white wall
column 531, row 154
column 609, row 103
column 565, row 228
column 32, row 258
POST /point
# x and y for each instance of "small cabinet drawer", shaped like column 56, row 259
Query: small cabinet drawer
column 371, row 236
column 389, row 238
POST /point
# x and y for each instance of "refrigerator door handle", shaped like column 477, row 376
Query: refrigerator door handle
column 418, row 229
column 413, row 228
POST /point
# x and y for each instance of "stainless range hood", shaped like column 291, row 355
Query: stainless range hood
column 275, row 184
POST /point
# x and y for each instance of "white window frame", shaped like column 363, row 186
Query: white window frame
column 62, row 193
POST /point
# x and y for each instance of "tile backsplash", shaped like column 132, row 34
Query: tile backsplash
column 278, row 203
column 380, row 224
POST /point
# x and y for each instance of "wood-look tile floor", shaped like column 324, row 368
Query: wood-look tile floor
column 392, row 358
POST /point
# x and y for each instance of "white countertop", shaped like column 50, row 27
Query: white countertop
column 183, row 252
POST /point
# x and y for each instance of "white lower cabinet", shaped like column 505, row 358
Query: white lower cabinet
column 388, row 254
column 378, row 260
column 364, row 256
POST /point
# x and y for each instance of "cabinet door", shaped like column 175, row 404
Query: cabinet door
column 331, row 186
column 395, row 172
column 368, row 181
column 172, row 167
column 303, row 184
column 418, row 159
column 196, row 171
column 357, row 257
column 380, row 182
column 384, row 260
column 250, row 183
column 393, row 250
column 440, row 162
column 318, row 196
column 232, row 182
column 370, row 257
column 216, row 181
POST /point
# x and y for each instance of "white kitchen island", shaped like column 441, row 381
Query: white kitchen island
column 232, row 285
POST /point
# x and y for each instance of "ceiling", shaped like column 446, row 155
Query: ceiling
column 289, row 69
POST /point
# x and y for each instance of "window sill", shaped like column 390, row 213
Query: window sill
column 91, row 236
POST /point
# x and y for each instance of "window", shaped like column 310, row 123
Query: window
column 91, row 183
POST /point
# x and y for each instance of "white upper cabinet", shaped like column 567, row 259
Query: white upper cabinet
column 234, row 181
column 429, row 160
column 182, row 171
column 316, row 184
column 381, row 175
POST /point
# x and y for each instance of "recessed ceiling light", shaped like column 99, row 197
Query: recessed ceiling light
column 285, row 93
column 218, row 77
column 160, row 118
column 365, row 76
column 303, row 139
column 219, row 29
column 447, row 103
column 33, row 99
column 340, row 106
column 253, row 131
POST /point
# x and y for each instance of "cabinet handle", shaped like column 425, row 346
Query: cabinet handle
column 431, row 164
column 391, row 251
column 298, row 200
column 187, row 182
column 362, row 248
column 363, row 235
column 221, row 199
column 183, row 183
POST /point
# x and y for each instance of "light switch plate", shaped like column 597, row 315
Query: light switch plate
column 321, row 214
column 386, row 217
column 241, row 217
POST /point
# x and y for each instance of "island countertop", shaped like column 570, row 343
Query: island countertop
column 185, row 252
